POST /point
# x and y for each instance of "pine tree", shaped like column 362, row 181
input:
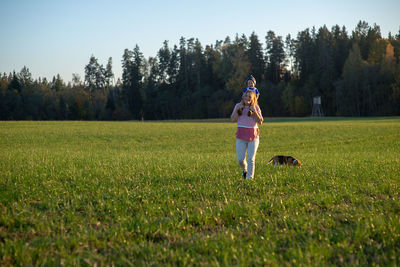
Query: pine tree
column 173, row 66
column 164, row 58
column 305, row 54
column 133, row 81
column 90, row 73
column 256, row 57
column 340, row 49
column 351, row 94
column 108, row 73
column 12, row 99
column 290, row 53
column 275, row 57
column 325, row 69
column 76, row 79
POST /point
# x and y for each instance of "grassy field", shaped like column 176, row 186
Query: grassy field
column 152, row 193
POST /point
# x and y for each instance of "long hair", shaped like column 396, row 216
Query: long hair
column 253, row 102
column 253, row 97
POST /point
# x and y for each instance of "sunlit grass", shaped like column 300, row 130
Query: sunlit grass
column 134, row 193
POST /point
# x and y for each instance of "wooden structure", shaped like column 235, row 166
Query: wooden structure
column 317, row 108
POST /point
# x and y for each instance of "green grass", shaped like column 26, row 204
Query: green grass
column 167, row 193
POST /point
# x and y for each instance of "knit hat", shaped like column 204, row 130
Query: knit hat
column 251, row 78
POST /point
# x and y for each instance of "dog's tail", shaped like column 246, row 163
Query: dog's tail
column 270, row 160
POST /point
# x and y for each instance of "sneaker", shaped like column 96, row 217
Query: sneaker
column 244, row 174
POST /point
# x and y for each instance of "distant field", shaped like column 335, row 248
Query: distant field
column 170, row 193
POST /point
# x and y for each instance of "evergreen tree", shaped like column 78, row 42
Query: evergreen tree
column 365, row 37
column 151, row 89
column 340, row 49
column 15, row 83
column 12, row 99
column 290, row 53
column 349, row 94
column 304, row 55
column 132, row 81
column 57, row 83
column 76, row 79
column 25, row 77
column 91, row 70
column 275, row 57
column 325, row 70
column 256, row 57
column 164, row 58
column 240, row 70
column 96, row 76
column 182, row 79
column 108, row 73
column 198, row 64
column 173, row 65
column 110, row 105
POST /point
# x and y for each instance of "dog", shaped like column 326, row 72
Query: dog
column 285, row 160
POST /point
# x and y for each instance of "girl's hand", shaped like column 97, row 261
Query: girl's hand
column 258, row 117
column 240, row 107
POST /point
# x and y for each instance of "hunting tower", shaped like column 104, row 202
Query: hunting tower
column 317, row 109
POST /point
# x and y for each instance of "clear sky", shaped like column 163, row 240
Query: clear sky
column 58, row 36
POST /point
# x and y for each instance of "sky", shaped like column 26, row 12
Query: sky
column 53, row 37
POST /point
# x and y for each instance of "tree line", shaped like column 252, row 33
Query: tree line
column 356, row 75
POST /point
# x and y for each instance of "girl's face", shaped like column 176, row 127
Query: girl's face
column 247, row 98
column 250, row 84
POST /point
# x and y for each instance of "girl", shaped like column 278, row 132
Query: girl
column 248, row 115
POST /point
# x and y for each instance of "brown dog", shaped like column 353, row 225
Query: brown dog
column 285, row 160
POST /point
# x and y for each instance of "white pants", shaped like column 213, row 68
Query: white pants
column 251, row 147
